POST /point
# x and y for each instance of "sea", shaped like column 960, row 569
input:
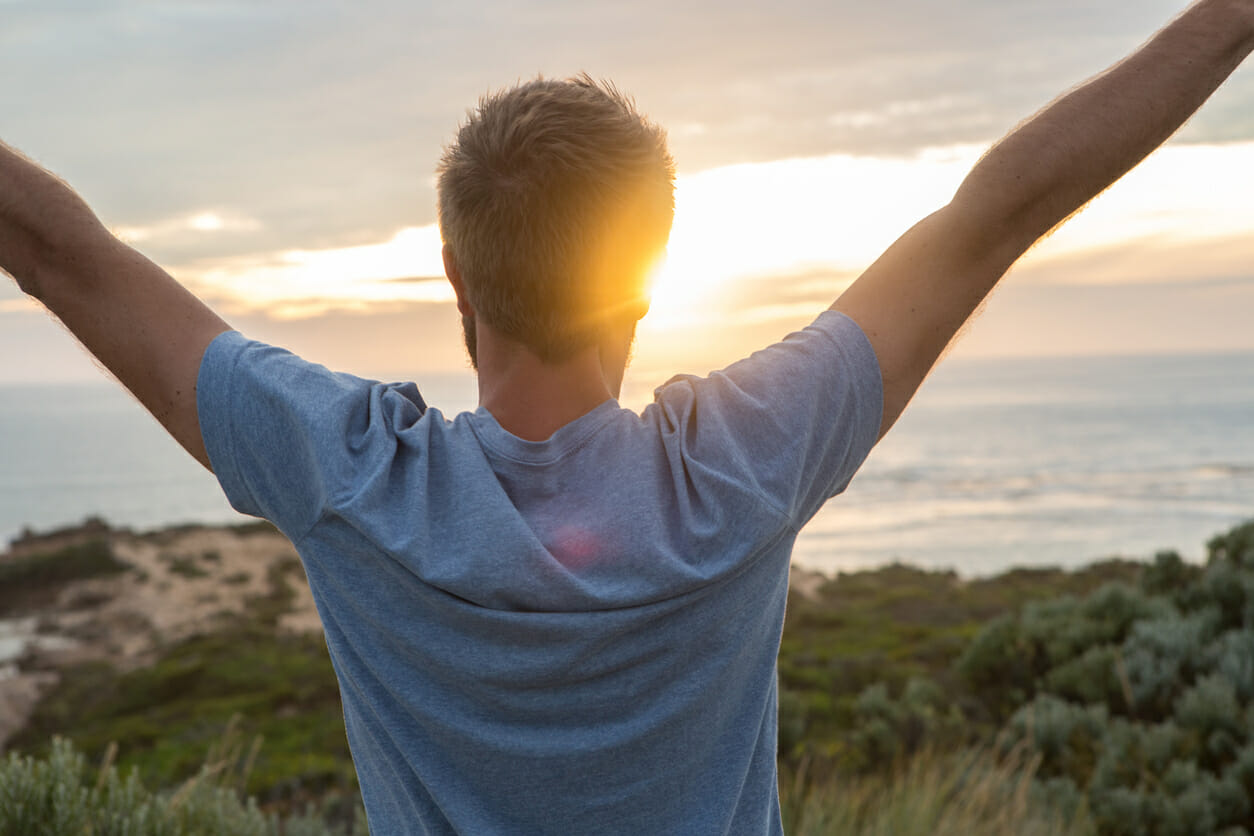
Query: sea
column 997, row 463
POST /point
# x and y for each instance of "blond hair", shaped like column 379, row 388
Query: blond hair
column 555, row 198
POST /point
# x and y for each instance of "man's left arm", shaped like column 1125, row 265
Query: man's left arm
column 141, row 324
column 915, row 298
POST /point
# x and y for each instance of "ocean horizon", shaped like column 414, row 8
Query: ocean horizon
column 998, row 463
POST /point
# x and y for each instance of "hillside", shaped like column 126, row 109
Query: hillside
column 188, row 641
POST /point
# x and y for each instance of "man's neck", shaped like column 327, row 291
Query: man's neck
column 533, row 399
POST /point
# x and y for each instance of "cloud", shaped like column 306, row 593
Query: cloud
column 1146, row 261
column 392, row 341
column 295, row 284
column 323, row 120
column 204, row 222
column 1185, row 213
column 311, row 129
column 1124, row 318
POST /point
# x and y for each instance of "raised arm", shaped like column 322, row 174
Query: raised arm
column 917, row 295
column 128, row 312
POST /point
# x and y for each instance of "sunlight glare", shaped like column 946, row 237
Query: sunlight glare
column 742, row 231
column 787, row 217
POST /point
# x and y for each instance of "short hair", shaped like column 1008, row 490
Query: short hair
column 556, row 198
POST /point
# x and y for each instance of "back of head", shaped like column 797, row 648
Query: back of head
column 556, row 197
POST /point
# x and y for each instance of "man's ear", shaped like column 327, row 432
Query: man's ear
column 454, row 274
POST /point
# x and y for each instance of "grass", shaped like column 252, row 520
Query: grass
column 60, row 795
column 970, row 792
column 161, row 716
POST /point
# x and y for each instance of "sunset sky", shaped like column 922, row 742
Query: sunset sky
column 278, row 158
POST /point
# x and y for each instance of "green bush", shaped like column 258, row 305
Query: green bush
column 999, row 666
column 58, row 796
column 1167, row 574
column 1090, row 677
column 1163, row 655
column 1235, row 546
column 1141, row 699
column 31, row 581
column 887, row 729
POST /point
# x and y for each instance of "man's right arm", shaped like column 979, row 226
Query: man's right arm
column 914, row 298
column 145, row 327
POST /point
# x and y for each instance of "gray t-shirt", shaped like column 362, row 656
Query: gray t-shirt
column 577, row 635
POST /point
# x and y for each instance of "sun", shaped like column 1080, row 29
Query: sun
column 786, row 218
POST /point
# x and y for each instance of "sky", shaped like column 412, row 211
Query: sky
column 278, row 158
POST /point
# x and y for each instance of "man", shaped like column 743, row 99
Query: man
column 553, row 615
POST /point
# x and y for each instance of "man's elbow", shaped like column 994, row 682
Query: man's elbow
column 987, row 235
column 43, row 275
column 68, row 261
column 23, row 260
column 52, row 236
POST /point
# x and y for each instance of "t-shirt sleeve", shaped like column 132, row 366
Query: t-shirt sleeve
column 285, row 435
column 792, row 422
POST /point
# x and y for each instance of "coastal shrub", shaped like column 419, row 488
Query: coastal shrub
column 1132, row 755
column 30, row 581
column 1113, row 608
column 1056, row 629
column 1235, row 546
column 1164, row 654
column 1141, row 698
column 1232, row 655
column 1241, row 770
column 1064, row 628
column 887, row 729
column 998, row 665
column 899, row 623
column 59, row 795
column 1167, row 574
column 1066, row 734
column 1066, row 646
column 1210, row 709
column 1225, row 587
column 1090, row 677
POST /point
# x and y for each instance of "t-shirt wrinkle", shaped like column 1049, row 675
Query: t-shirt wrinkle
column 298, row 541
column 785, row 517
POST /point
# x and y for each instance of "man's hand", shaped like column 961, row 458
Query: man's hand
column 128, row 312
column 914, row 299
